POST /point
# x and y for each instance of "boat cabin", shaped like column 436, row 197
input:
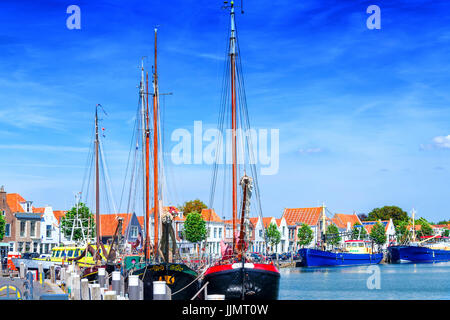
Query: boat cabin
column 358, row 246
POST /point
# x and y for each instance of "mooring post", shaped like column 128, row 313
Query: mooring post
column 41, row 273
column 22, row 270
column 133, row 288
column 161, row 291
column 95, row 292
column 84, row 289
column 52, row 274
column 110, row 295
column 101, row 277
column 76, row 286
column 141, row 289
column 116, row 282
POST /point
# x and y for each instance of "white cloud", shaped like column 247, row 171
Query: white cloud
column 442, row 142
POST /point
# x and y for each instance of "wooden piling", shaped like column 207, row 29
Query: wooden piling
column 95, row 292
column 133, row 287
column 116, row 277
column 84, row 289
column 76, row 286
column 101, row 277
column 110, row 295
column 52, row 274
column 22, row 271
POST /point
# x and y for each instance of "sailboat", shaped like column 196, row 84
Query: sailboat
column 421, row 251
column 236, row 275
column 159, row 259
column 102, row 256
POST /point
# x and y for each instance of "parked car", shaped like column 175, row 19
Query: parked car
column 30, row 255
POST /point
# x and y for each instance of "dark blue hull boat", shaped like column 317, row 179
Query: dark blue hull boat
column 417, row 254
column 320, row 258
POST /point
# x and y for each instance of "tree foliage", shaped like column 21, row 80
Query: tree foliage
column 425, row 229
column 87, row 221
column 332, row 234
column 194, row 227
column 388, row 212
column 2, row 227
column 358, row 231
column 401, row 231
column 446, row 232
column 378, row 234
column 304, row 235
column 273, row 235
column 192, row 206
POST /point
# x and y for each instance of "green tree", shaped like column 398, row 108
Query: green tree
column 358, row 231
column 378, row 234
column 86, row 218
column 426, row 229
column 446, row 232
column 304, row 235
column 273, row 235
column 190, row 206
column 2, row 227
column 194, row 227
column 401, row 231
column 332, row 234
column 388, row 212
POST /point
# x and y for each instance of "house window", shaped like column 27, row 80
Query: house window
column 11, row 246
column 27, row 246
column 48, row 231
column 260, row 233
column 35, row 247
column 215, row 232
column 22, row 228
column 134, row 232
column 32, row 229
column 7, row 230
column 220, row 233
column 284, row 231
column 20, row 247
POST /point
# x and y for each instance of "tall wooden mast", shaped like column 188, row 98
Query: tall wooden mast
column 233, row 119
column 97, row 183
column 147, row 178
column 155, row 153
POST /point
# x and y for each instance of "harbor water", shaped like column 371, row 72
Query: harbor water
column 380, row 282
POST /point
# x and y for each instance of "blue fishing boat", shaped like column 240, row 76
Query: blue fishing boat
column 417, row 252
column 356, row 252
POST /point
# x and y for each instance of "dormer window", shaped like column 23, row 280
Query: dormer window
column 28, row 206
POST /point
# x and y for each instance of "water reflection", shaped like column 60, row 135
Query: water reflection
column 398, row 281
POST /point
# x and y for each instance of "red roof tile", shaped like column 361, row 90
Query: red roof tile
column 108, row 223
column 210, row 215
column 341, row 219
column 59, row 214
column 13, row 200
column 309, row 216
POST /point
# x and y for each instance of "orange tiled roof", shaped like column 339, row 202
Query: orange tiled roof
column 267, row 221
column 370, row 226
column 309, row 216
column 13, row 200
column 108, row 223
column 59, row 214
column 341, row 219
column 38, row 210
column 210, row 215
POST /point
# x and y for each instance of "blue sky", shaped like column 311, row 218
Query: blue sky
column 358, row 110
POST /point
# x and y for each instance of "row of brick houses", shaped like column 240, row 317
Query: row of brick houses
column 33, row 229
